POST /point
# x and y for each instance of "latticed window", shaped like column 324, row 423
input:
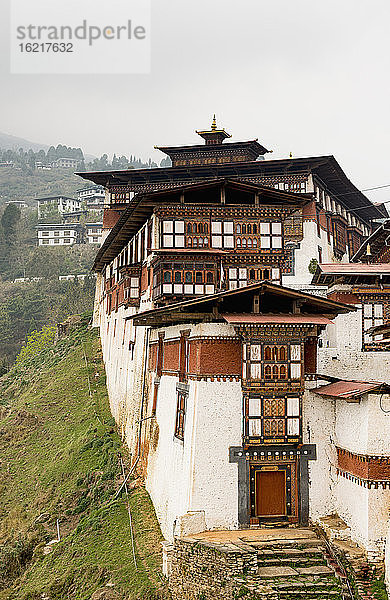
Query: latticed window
column 187, row 278
column 272, row 417
column 242, row 276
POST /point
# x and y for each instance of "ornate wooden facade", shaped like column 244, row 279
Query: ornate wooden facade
column 209, row 240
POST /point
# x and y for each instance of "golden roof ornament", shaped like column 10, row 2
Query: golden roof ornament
column 214, row 135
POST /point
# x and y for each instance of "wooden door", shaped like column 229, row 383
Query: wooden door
column 271, row 493
column 310, row 355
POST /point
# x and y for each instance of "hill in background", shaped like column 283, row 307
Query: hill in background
column 12, row 142
column 17, row 185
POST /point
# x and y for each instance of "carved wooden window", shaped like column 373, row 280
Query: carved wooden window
column 295, row 361
column 197, row 242
column 222, row 234
column 273, row 417
column 271, row 236
column 293, row 414
column 131, row 288
column 173, row 234
column 180, row 415
column 373, row 315
column 254, row 426
column 188, row 278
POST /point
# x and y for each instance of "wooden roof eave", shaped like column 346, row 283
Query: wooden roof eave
column 330, row 307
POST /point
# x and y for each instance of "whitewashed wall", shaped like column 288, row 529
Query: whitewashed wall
column 308, row 249
column 341, row 354
column 195, row 476
column 362, row 428
column 319, row 417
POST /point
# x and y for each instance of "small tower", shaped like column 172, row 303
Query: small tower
column 214, row 135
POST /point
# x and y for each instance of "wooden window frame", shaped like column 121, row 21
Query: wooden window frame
column 264, row 416
column 181, row 409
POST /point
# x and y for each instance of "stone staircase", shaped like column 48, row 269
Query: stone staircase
column 289, row 563
column 299, row 569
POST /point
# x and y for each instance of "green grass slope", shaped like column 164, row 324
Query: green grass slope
column 60, row 459
column 18, row 185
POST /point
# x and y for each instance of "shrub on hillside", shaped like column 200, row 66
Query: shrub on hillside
column 36, row 342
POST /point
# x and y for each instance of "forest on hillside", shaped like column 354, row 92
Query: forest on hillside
column 21, row 180
column 28, row 306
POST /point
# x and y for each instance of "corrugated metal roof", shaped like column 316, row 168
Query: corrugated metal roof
column 354, row 268
column 348, row 389
column 280, row 318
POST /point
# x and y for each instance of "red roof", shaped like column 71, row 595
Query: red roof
column 348, row 389
column 282, row 318
column 354, row 268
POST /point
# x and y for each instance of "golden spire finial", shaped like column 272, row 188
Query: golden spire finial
column 214, row 124
column 368, row 250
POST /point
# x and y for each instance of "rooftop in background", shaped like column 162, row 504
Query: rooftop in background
column 374, row 244
column 327, row 274
column 65, row 226
column 59, row 196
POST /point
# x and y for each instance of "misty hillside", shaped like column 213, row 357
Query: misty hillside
column 12, row 142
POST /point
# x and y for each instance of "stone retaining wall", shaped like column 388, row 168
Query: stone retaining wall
column 206, row 571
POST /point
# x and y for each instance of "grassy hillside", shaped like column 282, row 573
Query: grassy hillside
column 59, row 459
column 17, row 185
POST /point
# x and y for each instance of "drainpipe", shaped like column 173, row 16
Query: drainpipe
column 141, row 419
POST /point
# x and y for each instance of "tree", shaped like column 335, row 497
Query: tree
column 9, row 220
column 51, row 154
column 313, row 264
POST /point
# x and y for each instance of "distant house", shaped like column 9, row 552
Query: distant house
column 18, row 203
column 65, row 163
column 64, row 204
column 92, row 197
column 40, row 166
column 94, row 233
column 75, row 216
column 59, row 234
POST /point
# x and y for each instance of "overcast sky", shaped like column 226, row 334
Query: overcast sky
column 307, row 76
